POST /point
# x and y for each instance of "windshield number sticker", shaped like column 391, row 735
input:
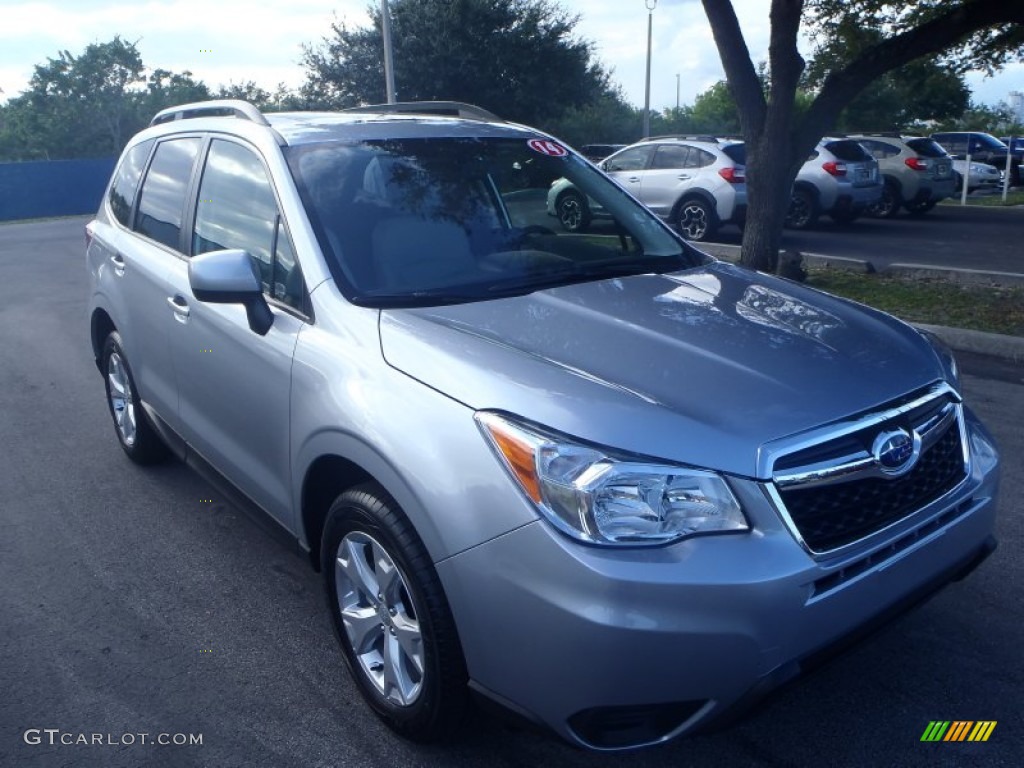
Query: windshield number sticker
column 547, row 147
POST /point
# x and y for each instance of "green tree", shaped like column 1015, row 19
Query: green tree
column 89, row 105
column 925, row 90
column 76, row 106
column 518, row 58
column 714, row 111
column 779, row 134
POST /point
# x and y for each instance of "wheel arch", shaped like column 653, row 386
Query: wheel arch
column 698, row 193
column 340, row 462
column 101, row 325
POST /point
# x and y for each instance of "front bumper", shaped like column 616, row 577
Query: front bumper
column 616, row 649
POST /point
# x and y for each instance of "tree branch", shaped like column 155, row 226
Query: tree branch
column 938, row 34
column 739, row 68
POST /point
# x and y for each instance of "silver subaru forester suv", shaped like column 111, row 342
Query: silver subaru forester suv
column 604, row 481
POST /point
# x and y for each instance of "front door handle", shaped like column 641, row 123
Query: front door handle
column 180, row 307
column 633, row 179
column 118, row 261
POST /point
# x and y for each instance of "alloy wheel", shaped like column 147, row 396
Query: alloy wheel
column 119, row 390
column 379, row 618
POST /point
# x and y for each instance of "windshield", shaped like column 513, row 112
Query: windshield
column 413, row 222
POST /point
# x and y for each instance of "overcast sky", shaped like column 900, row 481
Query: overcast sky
column 223, row 41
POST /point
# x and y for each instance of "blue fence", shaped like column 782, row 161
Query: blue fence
column 52, row 187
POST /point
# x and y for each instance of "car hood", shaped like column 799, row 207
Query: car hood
column 702, row 366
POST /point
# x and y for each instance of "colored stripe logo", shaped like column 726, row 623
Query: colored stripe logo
column 959, row 730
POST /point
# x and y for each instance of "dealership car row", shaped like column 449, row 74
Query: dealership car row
column 697, row 183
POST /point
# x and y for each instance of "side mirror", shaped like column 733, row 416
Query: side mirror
column 231, row 277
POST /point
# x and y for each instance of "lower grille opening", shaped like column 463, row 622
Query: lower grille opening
column 851, row 571
column 624, row 727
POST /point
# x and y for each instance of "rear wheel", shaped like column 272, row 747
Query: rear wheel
column 803, row 210
column 573, row 212
column 136, row 435
column 696, row 220
column 888, row 205
column 391, row 616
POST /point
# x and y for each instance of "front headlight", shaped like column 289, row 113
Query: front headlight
column 600, row 499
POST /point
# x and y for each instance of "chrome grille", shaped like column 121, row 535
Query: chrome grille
column 833, row 493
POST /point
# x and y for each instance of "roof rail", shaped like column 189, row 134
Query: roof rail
column 214, row 108
column 883, row 134
column 689, row 137
column 450, row 108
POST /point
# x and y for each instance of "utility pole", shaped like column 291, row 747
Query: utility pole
column 389, row 63
column 647, row 85
column 677, row 90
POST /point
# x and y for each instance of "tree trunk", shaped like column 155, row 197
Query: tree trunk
column 770, row 175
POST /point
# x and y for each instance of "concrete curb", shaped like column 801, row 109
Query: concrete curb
column 993, row 344
column 961, row 276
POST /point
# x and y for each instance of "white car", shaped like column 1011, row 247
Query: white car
column 981, row 176
column 696, row 184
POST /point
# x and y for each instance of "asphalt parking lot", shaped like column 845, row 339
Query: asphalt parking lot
column 137, row 601
column 975, row 237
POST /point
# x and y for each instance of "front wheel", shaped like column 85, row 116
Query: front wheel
column 136, row 435
column 391, row 617
column 696, row 220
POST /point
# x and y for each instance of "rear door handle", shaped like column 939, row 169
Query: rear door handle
column 684, row 176
column 180, row 307
column 118, row 261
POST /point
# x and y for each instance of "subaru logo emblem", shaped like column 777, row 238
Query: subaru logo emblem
column 896, row 451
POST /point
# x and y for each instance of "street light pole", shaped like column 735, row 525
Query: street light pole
column 677, row 90
column 647, row 85
column 389, row 64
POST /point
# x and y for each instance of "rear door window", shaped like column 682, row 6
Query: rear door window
column 670, row 156
column 162, row 201
column 126, row 181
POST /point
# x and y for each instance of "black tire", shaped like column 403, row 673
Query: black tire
column 888, row 205
column 573, row 212
column 136, row 435
column 959, row 183
column 435, row 677
column 803, row 210
column 920, row 208
column 695, row 219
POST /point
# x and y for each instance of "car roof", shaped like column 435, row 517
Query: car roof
column 387, row 121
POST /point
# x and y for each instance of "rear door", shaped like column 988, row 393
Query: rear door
column 673, row 170
column 148, row 256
